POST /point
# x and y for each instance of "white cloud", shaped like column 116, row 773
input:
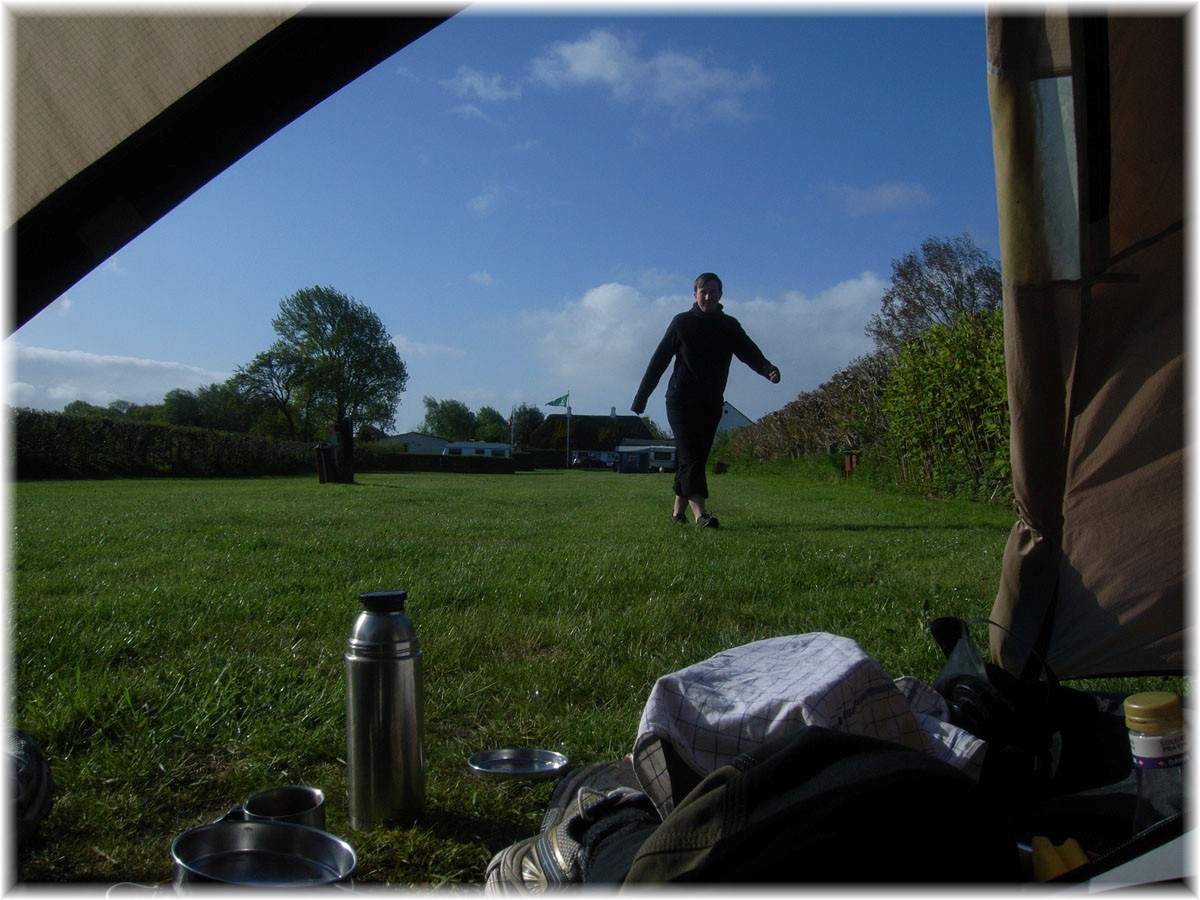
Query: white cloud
column 687, row 85
column 468, row 82
column 406, row 345
column 600, row 58
column 893, row 196
column 470, row 111
column 486, row 201
column 50, row 379
column 812, row 338
column 483, row 279
column 59, row 307
column 601, row 335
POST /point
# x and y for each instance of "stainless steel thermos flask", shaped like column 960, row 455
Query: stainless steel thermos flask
column 385, row 743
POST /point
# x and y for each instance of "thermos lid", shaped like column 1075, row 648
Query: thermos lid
column 383, row 601
column 1153, row 711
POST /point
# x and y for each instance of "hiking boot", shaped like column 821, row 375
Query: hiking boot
column 707, row 521
column 680, row 519
column 31, row 780
column 551, row 858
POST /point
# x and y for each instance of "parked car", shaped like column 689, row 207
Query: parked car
column 589, row 462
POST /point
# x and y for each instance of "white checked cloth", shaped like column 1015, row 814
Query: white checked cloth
column 741, row 699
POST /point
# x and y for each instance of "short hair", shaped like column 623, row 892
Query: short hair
column 704, row 278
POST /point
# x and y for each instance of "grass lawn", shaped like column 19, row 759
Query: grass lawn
column 177, row 644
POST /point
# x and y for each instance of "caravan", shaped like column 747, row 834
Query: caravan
column 478, row 448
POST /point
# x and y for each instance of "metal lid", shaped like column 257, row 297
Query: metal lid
column 526, row 763
column 384, row 601
column 1153, row 711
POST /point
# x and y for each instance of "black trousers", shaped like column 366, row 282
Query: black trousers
column 695, row 427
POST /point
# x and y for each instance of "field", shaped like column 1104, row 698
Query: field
column 177, row 644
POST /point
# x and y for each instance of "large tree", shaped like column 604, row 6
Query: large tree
column 338, row 358
column 490, row 425
column 274, row 377
column 526, row 419
column 451, row 420
column 946, row 279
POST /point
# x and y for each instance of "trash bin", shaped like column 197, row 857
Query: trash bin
column 326, row 463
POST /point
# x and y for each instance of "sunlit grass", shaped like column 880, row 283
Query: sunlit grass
column 178, row 643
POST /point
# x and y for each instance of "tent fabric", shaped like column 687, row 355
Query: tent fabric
column 1087, row 123
column 121, row 116
column 88, row 82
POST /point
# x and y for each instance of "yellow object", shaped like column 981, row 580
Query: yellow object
column 1153, row 711
column 1050, row 861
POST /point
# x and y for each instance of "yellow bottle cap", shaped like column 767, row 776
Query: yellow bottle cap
column 1153, row 711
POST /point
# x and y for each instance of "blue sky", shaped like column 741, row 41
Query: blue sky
column 525, row 200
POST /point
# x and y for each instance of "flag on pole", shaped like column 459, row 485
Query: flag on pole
column 564, row 400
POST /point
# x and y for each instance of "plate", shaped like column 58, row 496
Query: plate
column 517, row 762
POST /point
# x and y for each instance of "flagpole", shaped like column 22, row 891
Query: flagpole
column 565, row 400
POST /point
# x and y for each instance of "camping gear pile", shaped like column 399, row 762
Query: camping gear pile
column 799, row 759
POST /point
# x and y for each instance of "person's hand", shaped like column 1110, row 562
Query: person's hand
column 773, row 375
column 638, row 411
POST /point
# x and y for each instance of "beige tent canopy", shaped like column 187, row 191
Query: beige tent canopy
column 1088, row 133
column 119, row 116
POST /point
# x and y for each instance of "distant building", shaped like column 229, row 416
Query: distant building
column 731, row 418
column 416, row 442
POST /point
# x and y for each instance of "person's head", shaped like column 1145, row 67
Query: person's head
column 707, row 291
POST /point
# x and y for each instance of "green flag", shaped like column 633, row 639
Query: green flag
column 564, row 400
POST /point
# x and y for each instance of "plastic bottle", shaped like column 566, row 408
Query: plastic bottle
column 385, row 742
column 1159, row 744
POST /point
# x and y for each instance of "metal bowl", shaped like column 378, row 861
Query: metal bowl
column 260, row 854
column 517, row 762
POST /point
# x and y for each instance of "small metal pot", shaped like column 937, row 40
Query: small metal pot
column 295, row 803
column 260, row 854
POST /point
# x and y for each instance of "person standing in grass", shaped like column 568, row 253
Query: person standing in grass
column 703, row 342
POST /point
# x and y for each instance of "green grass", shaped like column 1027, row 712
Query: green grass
column 178, row 643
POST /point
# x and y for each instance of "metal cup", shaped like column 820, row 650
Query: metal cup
column 295, row 804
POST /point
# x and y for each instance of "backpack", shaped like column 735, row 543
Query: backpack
column 825, row 806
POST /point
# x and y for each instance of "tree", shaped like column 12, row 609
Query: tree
column 656, row 432
column 180, row 407
column 274, row 377
column 451, row 420
column 945, row 280
column 526, row 420
column 83, row 408
column 339, row 359
column 491, row 426
column 224, row 408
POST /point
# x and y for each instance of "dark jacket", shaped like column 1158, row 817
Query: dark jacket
column 702, row 345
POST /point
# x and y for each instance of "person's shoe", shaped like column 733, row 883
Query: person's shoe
column 707, row 521
column 551, row 858
column 679, row 519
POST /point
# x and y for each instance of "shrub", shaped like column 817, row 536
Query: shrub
column 60, row 445
column 947, row 408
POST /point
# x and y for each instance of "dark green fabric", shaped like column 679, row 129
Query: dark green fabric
column 821, row 806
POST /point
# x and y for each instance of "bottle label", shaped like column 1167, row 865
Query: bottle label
column 1159, row 751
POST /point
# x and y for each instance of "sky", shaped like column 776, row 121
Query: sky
column 525, row 197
